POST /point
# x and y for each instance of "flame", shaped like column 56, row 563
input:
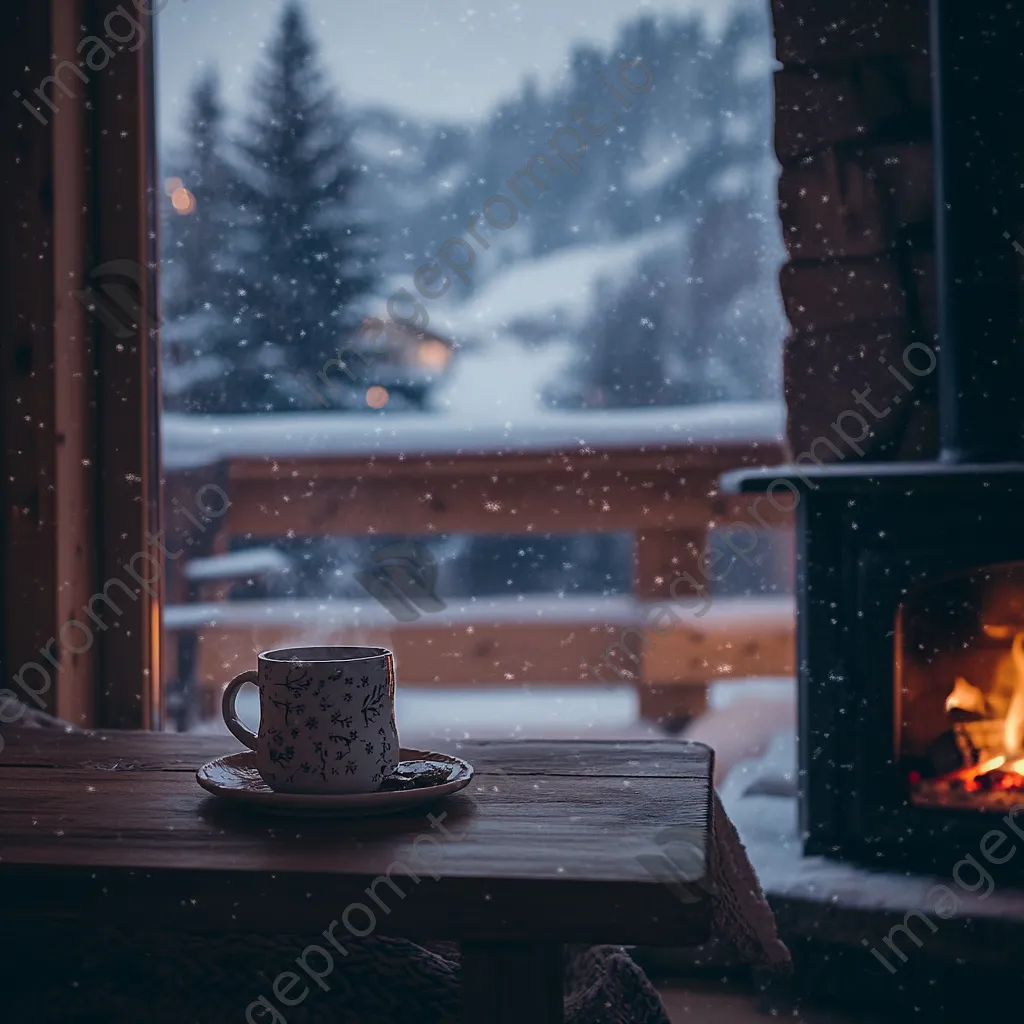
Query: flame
column 964, row 697
column 996, row 737
column 997, row 632
column 1015, row 713
column 990, row 765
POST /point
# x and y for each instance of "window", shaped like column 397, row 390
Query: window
column 463, row 313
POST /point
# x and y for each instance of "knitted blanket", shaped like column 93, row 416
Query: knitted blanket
column 111, row 977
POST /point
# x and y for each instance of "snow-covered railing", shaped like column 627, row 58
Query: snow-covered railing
column 200, row 440
column 651, row 473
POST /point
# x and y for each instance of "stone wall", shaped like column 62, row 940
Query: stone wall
column 853, row 136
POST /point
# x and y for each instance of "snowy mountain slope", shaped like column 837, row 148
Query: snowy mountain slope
column 559, row 289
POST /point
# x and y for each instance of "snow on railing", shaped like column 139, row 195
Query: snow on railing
column 201, row 440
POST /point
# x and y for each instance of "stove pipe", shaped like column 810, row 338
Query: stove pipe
column 978, row 125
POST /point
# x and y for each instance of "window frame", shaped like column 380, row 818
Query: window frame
column 82, row 420
column 81, row 423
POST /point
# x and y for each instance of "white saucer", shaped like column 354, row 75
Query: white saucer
column 234, row 777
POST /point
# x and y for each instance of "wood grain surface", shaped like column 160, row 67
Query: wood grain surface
column 546, row 845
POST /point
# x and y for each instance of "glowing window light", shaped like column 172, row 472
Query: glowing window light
column 433, row 355
column 377, row 397
column 183, row 201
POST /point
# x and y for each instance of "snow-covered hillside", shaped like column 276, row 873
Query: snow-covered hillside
column 663, row 243
column 639, row 270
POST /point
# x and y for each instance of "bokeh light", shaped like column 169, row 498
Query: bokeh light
column 183, row 201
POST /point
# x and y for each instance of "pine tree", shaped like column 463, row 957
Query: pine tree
column 198, row 221
column 304, row 262
column 697, row 319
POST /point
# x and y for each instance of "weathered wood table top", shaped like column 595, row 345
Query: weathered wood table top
column 552, row 842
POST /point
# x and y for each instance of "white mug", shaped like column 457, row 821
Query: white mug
column 327, row 718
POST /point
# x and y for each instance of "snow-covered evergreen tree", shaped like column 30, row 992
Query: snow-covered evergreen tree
column 198, row 220
column 304, row 259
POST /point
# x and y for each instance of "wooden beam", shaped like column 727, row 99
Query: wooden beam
column 74, row 385
column 48, row 380
column 703, row 460
column 128, row 441
column 26, row 306
column 737, row 637
column 471, row 499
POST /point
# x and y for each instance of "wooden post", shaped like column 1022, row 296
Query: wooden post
column 127, row 359
column 511, row 983
column 46, row 371
column 672, row 706
column 662, row 557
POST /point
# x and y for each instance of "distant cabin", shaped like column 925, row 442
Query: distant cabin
column 400, row 358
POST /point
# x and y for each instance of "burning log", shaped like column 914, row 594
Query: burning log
column 952, row 751
column 966, row 703
column 985, row 735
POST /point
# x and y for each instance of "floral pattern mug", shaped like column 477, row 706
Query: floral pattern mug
column 327, row 718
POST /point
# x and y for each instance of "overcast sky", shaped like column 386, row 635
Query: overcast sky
column 434, row 58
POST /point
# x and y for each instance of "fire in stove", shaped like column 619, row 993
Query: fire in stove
column 989, row 728
column 984, row 739
column 960, row 690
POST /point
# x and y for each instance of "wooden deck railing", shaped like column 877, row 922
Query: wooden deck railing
column 664, row 494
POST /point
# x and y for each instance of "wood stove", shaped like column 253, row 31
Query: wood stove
column 910, row 633
column 910, row 576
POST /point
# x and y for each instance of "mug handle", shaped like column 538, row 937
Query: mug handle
column 244, row 736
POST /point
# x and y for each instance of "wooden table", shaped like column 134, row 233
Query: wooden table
column 553, row 842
